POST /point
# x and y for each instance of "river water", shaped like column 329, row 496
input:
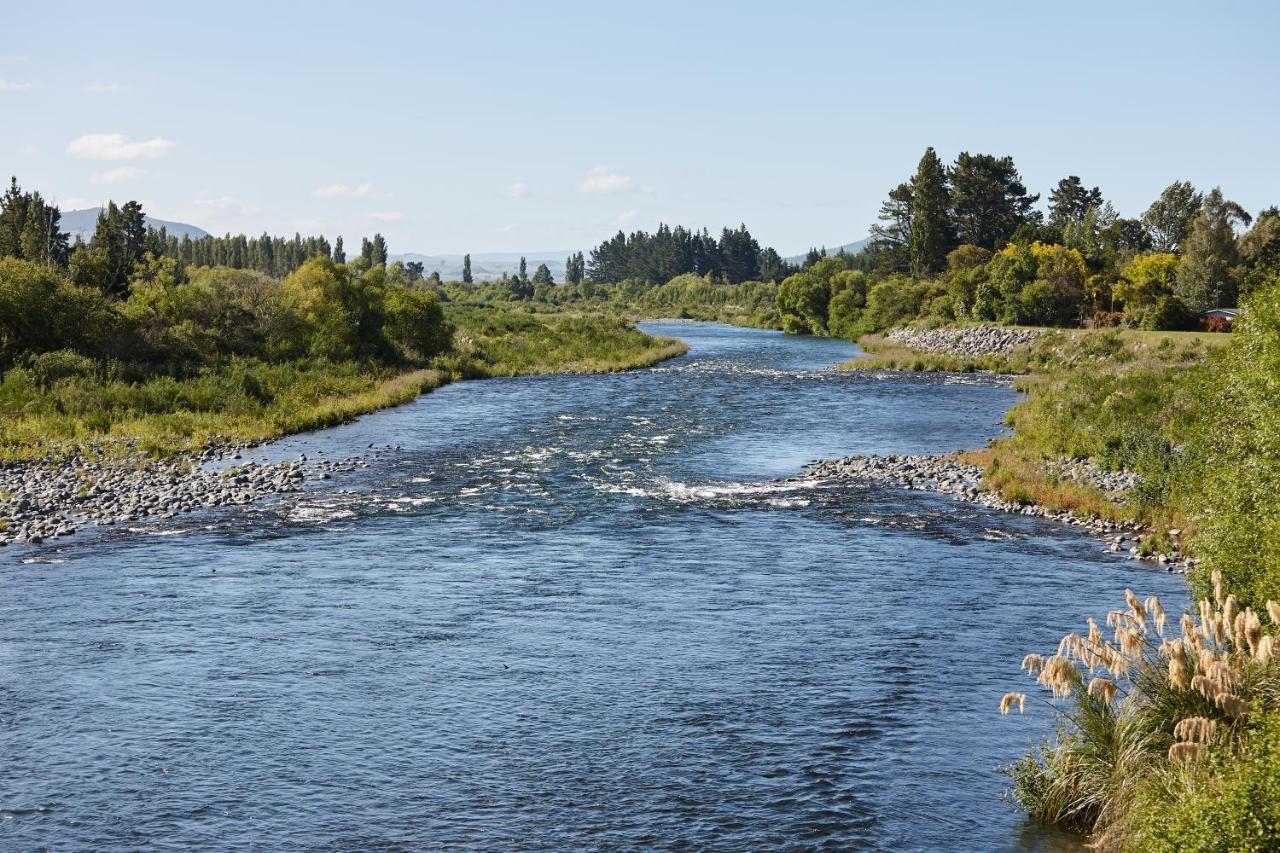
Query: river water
column 568, row 611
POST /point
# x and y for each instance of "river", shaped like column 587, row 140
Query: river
column 567, row 611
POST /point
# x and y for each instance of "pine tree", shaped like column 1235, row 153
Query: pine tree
column 1070, row 201
column 524, row 271
column 988, row 200
column 931, row 232
column 466, row 269
column 542, row 275
column 1206, row 276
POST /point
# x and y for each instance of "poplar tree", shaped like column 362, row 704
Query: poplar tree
column 339, row 253
column 378, row 253
column 466, row 269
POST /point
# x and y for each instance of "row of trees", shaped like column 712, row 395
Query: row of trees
column 137, row 295
column 668, row 252
column 965, row 242
column 31, row 229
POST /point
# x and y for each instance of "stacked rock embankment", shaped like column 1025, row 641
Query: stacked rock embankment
column 975, row 341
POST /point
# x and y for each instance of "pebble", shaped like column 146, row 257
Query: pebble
column 41, row 501
column 948, row 475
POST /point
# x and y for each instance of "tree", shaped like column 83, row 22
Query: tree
column 339, row 254
column 413, row 271
column 574, row 269
column 30, row 229
column 1206, row 278
column 1070, row 201
column 931, row 235
column 895, row 216
column 1146, row 278
column 524, row 271
column 378, row 251
column 542, row 275
column 739, row 255
column 772, row 266
column 988, row 200
column 466, row 269
column 1169, row 218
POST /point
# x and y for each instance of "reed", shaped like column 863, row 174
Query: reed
column 1145, row 709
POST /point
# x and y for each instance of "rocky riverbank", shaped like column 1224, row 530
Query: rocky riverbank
column 972, row 342
column 47, row 501
column 947, row 475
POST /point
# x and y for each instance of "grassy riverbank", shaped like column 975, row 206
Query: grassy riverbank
column 1167, row 735
column 61, row 404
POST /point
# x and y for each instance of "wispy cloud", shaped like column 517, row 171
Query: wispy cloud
column 10, row 86
column 341, row 190
column 114, row 146
column 517, row 190
column 386, row 215
column 120, row 175
column 28, row 151
column 601, row 180
column 627, row 217
column 224, row 207
column 106, row 88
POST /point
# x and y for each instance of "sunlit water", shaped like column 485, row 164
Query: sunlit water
column 569, row 611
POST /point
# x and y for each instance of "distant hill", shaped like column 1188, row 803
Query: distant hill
column 849, row 249
column 488, row 266
column 83, row 222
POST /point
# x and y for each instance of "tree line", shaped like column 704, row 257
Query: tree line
column 136, row 295
column 965, row 242
column 669, row 252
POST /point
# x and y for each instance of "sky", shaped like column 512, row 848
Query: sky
column 482, row 126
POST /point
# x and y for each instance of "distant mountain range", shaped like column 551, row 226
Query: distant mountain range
column 849, row 249
column 83, row 223
column 488, row 266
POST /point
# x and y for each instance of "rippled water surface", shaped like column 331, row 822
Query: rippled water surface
column 569, row 611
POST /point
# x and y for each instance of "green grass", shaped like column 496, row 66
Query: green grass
column 112, row 409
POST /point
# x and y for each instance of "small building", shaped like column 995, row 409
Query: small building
column 1218, row 319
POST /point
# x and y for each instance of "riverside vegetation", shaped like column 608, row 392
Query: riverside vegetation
column 1147, row 756
column 1166, row 740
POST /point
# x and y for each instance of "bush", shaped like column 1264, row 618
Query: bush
column 49, row 367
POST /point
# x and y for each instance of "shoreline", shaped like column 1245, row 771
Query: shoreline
column 43, row 500
column 946, row 474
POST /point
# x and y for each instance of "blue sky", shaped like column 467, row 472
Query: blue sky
column 480, row 126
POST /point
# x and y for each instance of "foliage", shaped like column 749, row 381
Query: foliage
column 668, row 252
column 1240, row 434
column 1147, row 711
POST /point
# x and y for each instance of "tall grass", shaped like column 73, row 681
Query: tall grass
column 1148, row 714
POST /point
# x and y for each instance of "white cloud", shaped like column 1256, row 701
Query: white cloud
column 627, row 217
column 224, row 207
column 10, row 86
column 386, row 215
column 105, row 88
column 602, row 180
column 517, row 190
column 121, row 175
column 28, row 151
column 114, row 146
column 341, row 190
